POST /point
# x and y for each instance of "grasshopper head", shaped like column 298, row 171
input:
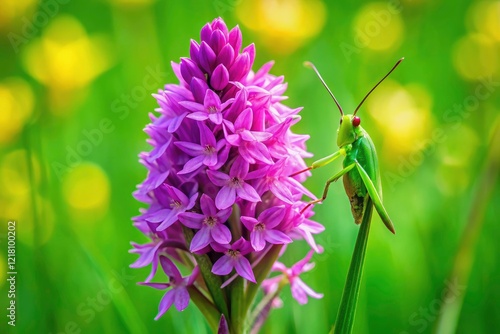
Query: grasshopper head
column 349, row 130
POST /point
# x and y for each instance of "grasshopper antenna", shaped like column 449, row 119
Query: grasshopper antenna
column 392, row 69
column 311, row 65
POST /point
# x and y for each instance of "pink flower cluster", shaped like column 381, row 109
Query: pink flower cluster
column 222, row 152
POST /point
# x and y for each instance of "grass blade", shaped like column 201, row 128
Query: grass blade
column 450, row 311
column 347, row 310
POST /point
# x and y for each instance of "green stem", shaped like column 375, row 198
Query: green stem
column 261, row 271
column 347, row 310
column 212, row 281
column 206, row 307
column 259, row 309
column 237, row 320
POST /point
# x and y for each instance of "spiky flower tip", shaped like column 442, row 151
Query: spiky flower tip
column 218, row 189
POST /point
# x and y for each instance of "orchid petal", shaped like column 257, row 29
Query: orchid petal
column 221, row 234
column 165, row 303
column 225, row 198
column 244, row 269
column 257, row 239
column 223, row 266
column 191, row 219
column 248, row 192
column 200, row 240
column 277, row 237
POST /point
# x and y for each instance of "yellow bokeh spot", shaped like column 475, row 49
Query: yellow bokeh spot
column 452, row 179
column 13, row 9
column 420, row 96
column 16, row 105
column 283, row 25
column 456, row 152
column 131, row 3
column 484, row 17
column 16, row 198
column 475, row 56
column 65, row 59
column 402, row 115
column 3, row 270
column 86, row 190
column 453, row 176
column 24, row 213
column 14, row 174
column 460, row 147
column 379, row 27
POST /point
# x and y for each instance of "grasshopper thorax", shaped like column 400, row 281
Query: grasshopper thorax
column 349, row 130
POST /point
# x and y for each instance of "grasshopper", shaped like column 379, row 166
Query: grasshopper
column 360, row 171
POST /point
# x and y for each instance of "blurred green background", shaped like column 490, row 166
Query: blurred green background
column 75, row 85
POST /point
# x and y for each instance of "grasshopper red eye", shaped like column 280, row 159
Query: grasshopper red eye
column 356, row 121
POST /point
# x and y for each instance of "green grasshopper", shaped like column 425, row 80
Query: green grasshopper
column 360, row 171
